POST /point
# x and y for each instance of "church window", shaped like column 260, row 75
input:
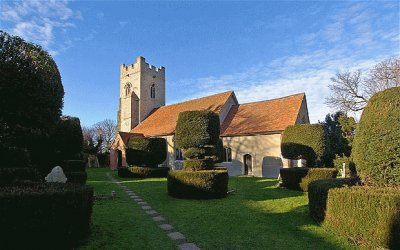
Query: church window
column 227, row 157
column 127, row 89
column 153, row 91
column 178, row 154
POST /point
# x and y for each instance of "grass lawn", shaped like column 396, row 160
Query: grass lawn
column 257, row 216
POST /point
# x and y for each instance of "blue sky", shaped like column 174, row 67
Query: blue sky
column 261, row 50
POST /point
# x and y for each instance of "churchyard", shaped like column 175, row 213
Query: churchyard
column 51, row 199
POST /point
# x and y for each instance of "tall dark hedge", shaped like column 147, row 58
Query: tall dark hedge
column 197, row 128
column 376, row 147
column 31, row 97
column 146, row 152
column 67, row 138
column 304, row 141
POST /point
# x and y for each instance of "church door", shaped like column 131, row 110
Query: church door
column 119, row 155
column 248, row 168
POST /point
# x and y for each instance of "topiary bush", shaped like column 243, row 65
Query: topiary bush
column 198, row 185
column 366, row 215
column 45, row 215
column 350, row 167
column 197, row 164
column 67, row 139
column 75, row 171
column 14, row 157
column 146, row 152
column 300, row 178
column 196, row 129
column 318, row 195
column 304, row 141
column 30, row 83
column 142, row 172
column 376, row 150
column 315, row 174
column 16, row 175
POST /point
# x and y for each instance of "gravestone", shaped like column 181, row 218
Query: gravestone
column 56, row 175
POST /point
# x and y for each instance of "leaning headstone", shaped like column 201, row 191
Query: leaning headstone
column 56, row 175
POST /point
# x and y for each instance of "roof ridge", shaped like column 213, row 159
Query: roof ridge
column 196, row 99
column 302, row 93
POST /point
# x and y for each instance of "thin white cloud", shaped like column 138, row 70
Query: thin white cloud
column 311, row 71
column 38, row 21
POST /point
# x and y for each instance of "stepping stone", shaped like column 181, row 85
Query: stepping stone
column 137, row 199
column 188, row 246
column 146, row 207
column 166, row 227
column 176, row 236
column 151, row 212
column 134, row 197
column 142, row 203
column 158, row 218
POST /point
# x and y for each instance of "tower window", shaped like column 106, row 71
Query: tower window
column 153, row 91
column 127, row 89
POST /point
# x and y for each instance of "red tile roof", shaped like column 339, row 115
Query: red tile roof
column 162, row 121
column 125, row 136
column 262, row 117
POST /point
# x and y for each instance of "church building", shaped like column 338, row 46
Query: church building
column 251, row 132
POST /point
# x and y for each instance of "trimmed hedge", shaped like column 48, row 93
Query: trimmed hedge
column 41, row 216
column 142, row 172
column 146, row 152
column 14, row 157
column 74, row 166
column 300, row 178
column 67, row 138
column 315, row 174
column 197, row 164
column 376, row 150
column 367, row 215
column 11, row 175
column 196, row 129
column 304, row 141
column 318, row 194
column 76, row 177
column 208, row 184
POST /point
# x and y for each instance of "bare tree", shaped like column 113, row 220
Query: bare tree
column 106, row 130
column 351, row 91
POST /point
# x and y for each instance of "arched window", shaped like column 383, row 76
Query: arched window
column 178, row 154
column 127, row 89
column 153, row 91
column 227, row 155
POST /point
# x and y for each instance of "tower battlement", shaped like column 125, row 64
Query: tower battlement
column 140, row 64
column 142, row 89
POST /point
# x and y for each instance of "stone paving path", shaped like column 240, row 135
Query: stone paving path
column 160, row 220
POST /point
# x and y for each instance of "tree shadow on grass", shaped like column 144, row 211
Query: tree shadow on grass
column 258, row 215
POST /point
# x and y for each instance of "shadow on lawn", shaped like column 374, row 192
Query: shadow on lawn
column 258, row 215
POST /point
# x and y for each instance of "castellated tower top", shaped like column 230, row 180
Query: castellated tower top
column 140, row 63
column 142, row 89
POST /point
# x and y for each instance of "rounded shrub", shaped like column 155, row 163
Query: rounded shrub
column 146, row 152
column 67, row 139
column 143, row 172
column 196, row 129
column 197, row 164
column 304, row 141
column 198, row 185
column 14, row 157
column 376, row 150
column 30, row 83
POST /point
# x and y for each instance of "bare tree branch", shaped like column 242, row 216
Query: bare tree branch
column 351, row 92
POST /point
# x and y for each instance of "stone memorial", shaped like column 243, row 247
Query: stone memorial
column 56, row 175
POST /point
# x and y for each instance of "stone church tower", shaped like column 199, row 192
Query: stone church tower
column 142, row 89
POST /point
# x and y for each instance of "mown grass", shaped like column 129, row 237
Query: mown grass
column 258, row 215
column 119, row 223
